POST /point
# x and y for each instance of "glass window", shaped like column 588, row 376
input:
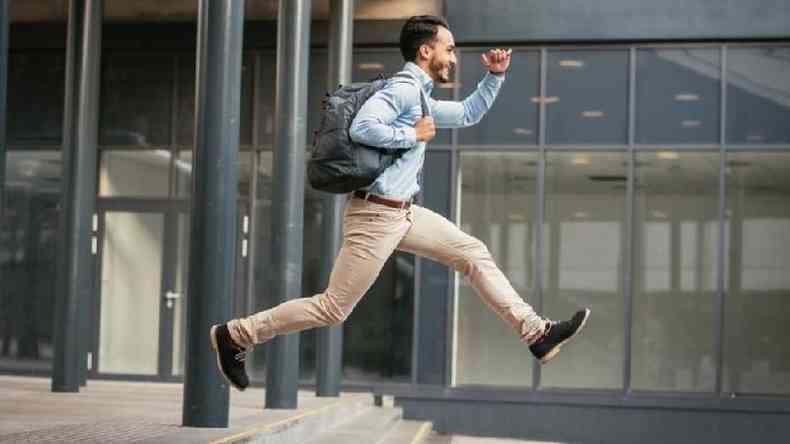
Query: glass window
column 513, row 119
column 317, row 87
column 28, row 254
column 184, row 173
column 378, row 334
column 134, row 173
column 758, row 95
column 677, row 95
column 185, row 102
column 370, row 64
column 268, row 78
column 135, row 99
column 677, row 238
column 36, row 82
column 497, row 205
column 585, row 236
column 757, row 351
column 131, row 288
column 586, row 97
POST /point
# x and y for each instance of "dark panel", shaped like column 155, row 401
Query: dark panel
column 573, row 20
column 185, row 126
column 432, row 312
column 135, row 98
column 159, row 36
column 597, row 424
column 35, row 97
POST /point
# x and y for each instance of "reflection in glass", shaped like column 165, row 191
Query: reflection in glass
column 181, row 285
column 134, row 173
column 758, row 95
column 131, row 284
column 35, row 96
column 513, row 119
column 585, row 231
column 28, row 252
column 677, row 238
column 497, row 205
column 677, row 95
column 587, row 97
column 135, row 99
column 185, row 102
column 757, row 355
column 183, row 171
column 378, row 334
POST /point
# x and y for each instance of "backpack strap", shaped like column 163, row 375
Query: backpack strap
column 426, row 110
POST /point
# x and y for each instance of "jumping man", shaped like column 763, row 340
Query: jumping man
column 382, row 218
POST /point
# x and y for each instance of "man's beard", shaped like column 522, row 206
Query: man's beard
column 437, row 70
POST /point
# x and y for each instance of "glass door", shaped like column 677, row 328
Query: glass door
column 141, row 292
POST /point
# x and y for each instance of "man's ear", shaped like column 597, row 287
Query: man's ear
column 424, row 51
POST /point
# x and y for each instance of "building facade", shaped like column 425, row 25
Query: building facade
column 637, row 161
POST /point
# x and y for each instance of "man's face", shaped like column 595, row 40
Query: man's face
column 441, row 56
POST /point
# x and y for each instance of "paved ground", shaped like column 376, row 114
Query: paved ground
column 110, row 411
column 113, row 411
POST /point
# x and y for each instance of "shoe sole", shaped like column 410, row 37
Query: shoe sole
column 553, row 352
column 215, row 347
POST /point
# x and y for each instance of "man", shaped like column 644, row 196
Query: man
column 382, row 218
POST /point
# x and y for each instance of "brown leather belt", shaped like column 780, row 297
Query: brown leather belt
column 404, row 204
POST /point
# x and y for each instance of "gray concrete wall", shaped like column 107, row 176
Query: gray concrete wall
column 611, row 20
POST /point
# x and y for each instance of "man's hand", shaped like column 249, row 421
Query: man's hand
column 496, row 60
column 425, row 129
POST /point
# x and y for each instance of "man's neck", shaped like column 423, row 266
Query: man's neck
column 424, row 67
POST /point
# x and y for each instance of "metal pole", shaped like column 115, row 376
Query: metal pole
column 80, row 140
column 293, row 46
column 330, row 339
column 212, row 255
column 4, row 24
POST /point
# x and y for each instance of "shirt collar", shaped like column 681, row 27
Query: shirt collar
column 422, row 76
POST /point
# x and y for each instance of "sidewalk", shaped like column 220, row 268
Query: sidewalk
column 111, row 411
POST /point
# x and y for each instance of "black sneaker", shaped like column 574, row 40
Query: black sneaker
column 557, row 334
column 230, row 357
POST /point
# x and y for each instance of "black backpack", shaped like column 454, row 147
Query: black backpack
column 338, row 164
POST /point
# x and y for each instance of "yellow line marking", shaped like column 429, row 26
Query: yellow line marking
column 423, row 432
column 269, row 427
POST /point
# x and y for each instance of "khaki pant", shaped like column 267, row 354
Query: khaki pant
column 371, row 232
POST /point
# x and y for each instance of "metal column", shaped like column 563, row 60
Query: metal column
column 330, row 339
column 293, row 46
column 212, row 255
column 4, row 24
column 80, row 148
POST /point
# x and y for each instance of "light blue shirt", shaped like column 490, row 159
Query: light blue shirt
column 387, row 120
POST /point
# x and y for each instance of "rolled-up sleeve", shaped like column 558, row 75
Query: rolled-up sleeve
column 373, row 124
column 452, row 114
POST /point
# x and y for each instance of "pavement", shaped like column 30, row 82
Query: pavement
column 113, row 411
column 150, row 412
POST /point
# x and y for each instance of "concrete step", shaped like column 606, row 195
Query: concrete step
column 301, row 427
column 408, row 432
column 436, row 438
column 379, row 425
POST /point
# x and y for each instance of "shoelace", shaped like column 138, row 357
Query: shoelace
column 242, row 355
column 549, row 324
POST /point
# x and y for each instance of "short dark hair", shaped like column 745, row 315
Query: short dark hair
column 417, row 31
